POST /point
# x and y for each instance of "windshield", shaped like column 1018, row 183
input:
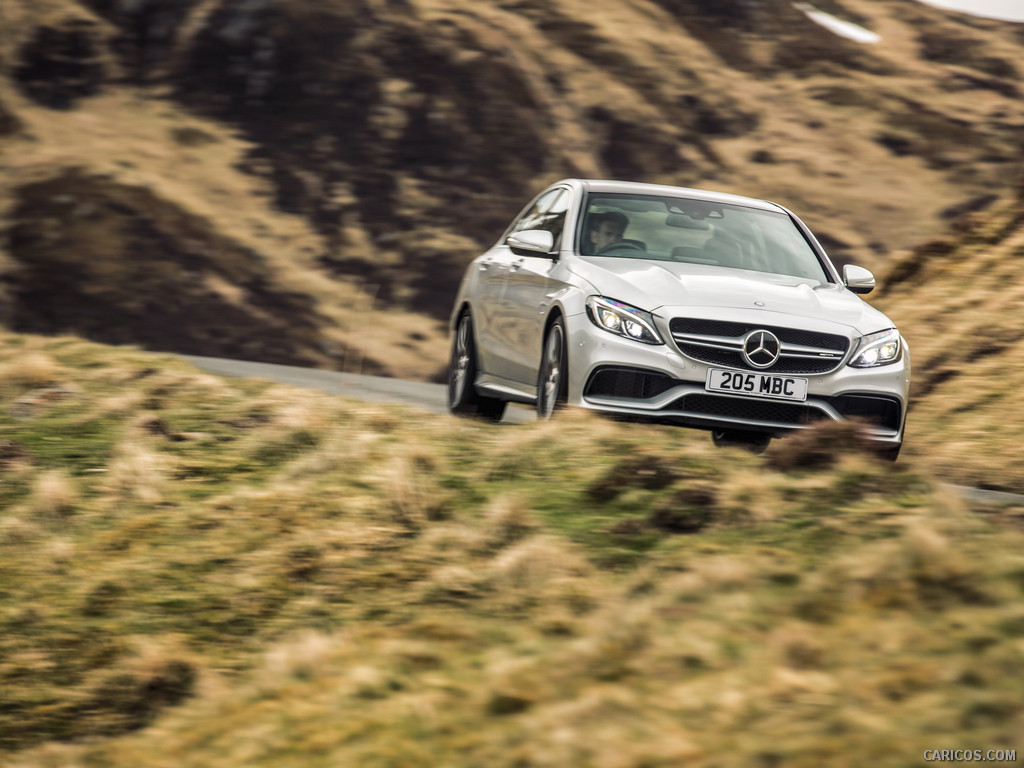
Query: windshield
column 679, row 229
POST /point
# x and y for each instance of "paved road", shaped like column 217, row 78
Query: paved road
column 431, row 397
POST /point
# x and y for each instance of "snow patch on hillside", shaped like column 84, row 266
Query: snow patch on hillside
column 837, row 26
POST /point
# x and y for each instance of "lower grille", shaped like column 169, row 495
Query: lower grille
column 751, row 410
column 878, row 410
column 633, row 383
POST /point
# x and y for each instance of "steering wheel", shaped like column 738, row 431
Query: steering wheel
column 622, row 245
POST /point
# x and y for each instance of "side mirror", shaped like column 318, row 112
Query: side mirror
column 858, row 279
column 534, row 242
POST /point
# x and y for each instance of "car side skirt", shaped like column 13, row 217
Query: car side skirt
column 492, row 386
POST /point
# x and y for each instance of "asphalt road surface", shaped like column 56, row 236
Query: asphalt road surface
column 431, row 397
column 377, row 389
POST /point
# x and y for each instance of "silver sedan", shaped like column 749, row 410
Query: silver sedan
column 678, row 306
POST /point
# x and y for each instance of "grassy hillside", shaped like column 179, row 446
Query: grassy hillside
column 291, row 167
column 210, row 572
column 958, row 300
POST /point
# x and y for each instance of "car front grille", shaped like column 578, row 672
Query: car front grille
column 720, row 342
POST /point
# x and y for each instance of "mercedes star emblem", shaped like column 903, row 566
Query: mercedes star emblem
column 761, row 349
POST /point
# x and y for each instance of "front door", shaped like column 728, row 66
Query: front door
column 517, row 325
column 525, row 299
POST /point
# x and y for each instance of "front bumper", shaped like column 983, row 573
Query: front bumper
column 658, row 383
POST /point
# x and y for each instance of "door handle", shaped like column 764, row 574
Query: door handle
column 515, row 265
column 484, row 265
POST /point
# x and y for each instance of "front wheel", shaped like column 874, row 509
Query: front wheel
column 463, row 399
column 553, row 377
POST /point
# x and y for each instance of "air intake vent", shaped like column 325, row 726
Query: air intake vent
column 749, row 410
column 633, row 383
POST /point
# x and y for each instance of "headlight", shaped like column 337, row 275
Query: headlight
column 882, row 348
column 623, row 320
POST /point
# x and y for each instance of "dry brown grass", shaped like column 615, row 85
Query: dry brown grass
column 136, row 473
column 509, row 520
column 54, row 495
column 30, row 370
column 17, row 531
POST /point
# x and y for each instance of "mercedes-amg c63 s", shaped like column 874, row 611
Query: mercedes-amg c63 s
column 678, row 306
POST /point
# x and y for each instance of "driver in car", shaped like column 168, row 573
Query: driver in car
column 607, row 229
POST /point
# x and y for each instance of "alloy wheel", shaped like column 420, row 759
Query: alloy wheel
column 552, row 371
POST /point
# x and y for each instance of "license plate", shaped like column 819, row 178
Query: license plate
column 757, row 384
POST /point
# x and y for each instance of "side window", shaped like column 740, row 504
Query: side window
column 547, row 213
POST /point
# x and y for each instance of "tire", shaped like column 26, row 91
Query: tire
column 553, row 376
column 755, row 442
column 463, row 399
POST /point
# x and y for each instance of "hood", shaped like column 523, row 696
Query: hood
column 653, row 285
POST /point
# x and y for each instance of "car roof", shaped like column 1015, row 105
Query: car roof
column 639, row 188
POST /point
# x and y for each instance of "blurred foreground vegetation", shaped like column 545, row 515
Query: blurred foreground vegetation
column 206, row 572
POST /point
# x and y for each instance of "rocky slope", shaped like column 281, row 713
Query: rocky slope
column 255, row 178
